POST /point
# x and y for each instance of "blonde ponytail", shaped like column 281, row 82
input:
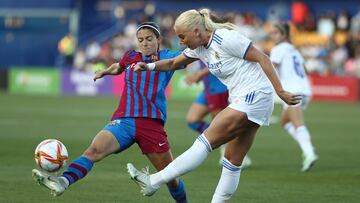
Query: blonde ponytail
column 191, row 18
column 211, row 25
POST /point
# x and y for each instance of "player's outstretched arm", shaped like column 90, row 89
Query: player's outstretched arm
column 113, row 69
column 265, row 63
column 176, row 63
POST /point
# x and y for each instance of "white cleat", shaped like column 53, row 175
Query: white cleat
column 142, row 178
column 55, row 184
column 308, row 162
column 246, row 162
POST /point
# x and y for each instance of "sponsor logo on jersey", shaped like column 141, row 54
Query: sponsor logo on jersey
column 216, row 65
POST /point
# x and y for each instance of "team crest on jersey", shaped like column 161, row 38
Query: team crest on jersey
column 217, row 55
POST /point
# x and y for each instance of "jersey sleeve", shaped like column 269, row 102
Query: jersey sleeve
column 130, row 57
column 189, row 53
column 275, row 55
column 175, row 54
column 235, row 43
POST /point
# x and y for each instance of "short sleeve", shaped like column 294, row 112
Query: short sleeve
column 167, row 54
column 189, row 53
column 175, row 54
column 275, row 55
column 235, row 43
column 122, row 62
column 130, row 57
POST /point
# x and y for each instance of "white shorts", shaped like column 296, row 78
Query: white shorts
column 258, row 106
column 303, row 104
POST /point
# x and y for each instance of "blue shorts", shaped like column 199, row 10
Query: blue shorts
column 201, row 99
column 148, row 133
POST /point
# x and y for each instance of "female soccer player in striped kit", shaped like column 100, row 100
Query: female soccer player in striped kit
column 248, row 74
column 290, row 65
column 211, row 100
column 140, row 117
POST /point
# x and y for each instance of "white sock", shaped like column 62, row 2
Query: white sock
column 186, row 162
column 289, row 127
column 65, row 181
column 229, row 181
column 304, row 140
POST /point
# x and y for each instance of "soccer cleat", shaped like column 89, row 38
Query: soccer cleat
column 142, row 178
column 246, row 162
column 55, row 184
column 308, row 162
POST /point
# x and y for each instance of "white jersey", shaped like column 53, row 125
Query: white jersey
column 291, row 69
column 224, row 56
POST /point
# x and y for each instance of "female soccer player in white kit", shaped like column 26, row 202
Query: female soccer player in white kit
column 293, row 77
column 246, row 72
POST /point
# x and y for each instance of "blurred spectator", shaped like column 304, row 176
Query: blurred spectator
column 355, row 27
column 92, row 50
column 310, row 23
column 105, row 53
column 326, row 24
column 66, row 47
column 352, row 65
column 299, row 12
column 79, row 59
column 130, row 28
column 343, row 21
column 328, row 43
column 315, row 59
column 337, row 58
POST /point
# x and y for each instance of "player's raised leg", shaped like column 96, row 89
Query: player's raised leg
column 221, row 130
column 102, row 145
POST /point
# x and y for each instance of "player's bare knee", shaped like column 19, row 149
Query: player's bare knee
column 94, row 154
column 191, row 119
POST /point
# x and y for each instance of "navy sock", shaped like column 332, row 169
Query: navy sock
column 179, row 193
column 78, row 169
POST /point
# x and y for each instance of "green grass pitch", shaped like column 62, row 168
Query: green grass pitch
column 274, row 176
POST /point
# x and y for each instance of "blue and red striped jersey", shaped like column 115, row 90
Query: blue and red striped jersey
column 212, row 84
column 144, row 92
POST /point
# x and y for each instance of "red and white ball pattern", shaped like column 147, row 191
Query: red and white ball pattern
column 51, row 155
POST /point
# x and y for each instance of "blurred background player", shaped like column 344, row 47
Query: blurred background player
column 250, row 78
column 211, row 100
column 140, row 117
column 290, row 65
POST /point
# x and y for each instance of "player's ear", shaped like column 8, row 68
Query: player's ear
column 197, row 31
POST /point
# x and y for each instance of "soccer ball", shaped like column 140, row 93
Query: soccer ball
column 51, row 155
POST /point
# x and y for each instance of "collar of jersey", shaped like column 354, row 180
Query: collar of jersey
column 211, row 39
